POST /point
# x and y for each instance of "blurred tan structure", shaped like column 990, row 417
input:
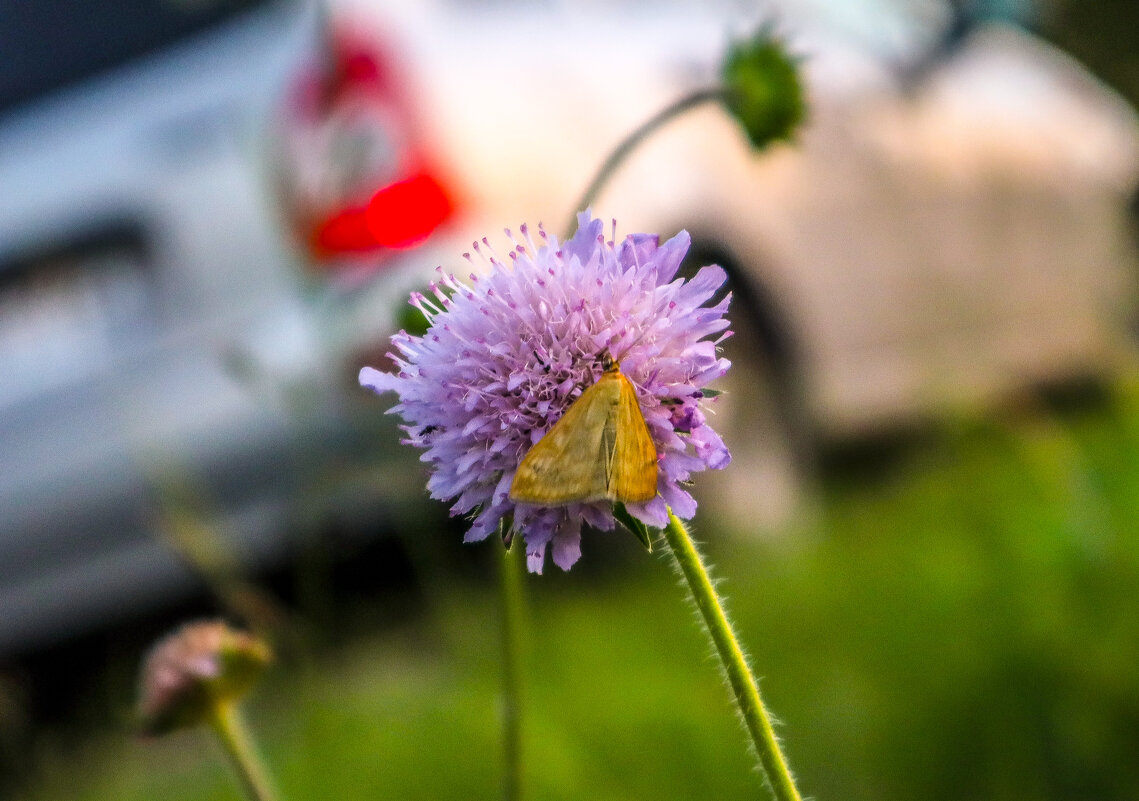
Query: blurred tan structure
column 930, row 245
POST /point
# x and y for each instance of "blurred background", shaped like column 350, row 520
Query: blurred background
column 212, row 212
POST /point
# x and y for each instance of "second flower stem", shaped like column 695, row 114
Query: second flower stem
column 622, row 151
column 513, row 633
column 230, row 729
column 735, row 666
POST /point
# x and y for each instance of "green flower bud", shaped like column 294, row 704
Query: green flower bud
column 763, row 89
column 193, row 671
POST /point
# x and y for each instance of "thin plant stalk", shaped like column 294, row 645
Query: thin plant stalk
column 513, row 633
column 735, row 666
column 230, row 729
column 711, row 94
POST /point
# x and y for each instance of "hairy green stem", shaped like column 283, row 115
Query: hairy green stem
column 513, row 631
column 735, row 666
column 230, row 729
column 716, row 94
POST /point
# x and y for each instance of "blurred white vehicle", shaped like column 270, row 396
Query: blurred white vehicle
column 185, row 190
column 197, row 238
column 950, row 229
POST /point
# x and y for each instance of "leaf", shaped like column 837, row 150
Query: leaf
column 638, row 529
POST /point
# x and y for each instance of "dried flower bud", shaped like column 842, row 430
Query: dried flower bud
column 764, row 91
column 193, row 670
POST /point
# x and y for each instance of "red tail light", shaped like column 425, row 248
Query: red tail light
column 399, row 216
column 360, row 187
column 405, row 213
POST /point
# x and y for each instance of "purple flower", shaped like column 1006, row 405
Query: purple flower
column 507, row 353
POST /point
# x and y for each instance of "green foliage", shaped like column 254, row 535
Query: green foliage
column 638, row 529
column 980, row 612
column 964, row 625
column 411, row 319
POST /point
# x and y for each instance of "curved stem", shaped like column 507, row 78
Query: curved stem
column 513, row 628
column 235, row 740
column 611, row 164
column 732, row 659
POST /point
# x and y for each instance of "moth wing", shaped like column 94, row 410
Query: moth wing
column 633, row 462
column 569, row 463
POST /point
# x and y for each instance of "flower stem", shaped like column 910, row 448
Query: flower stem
column 716, row 93
column 227, row 723
column 513, row 633
column 731, row 657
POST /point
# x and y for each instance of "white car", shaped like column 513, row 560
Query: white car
column 950, row 229
column 205, row 228
column 194, row 250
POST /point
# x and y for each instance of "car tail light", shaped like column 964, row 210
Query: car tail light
column 359, row 183
column 398, row 216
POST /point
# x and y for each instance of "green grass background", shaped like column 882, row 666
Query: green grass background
column 960, row 623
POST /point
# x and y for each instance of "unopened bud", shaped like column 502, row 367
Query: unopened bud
column 192, row 671
column 763, row 88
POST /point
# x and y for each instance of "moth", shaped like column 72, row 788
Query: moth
column 600, row 450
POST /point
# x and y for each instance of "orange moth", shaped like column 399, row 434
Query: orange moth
column 600, row 450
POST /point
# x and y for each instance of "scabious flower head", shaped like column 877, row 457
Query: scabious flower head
column 507, row 353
